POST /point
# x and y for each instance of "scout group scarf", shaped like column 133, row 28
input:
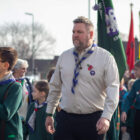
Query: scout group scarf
column 6, row 81
column 31, row 121
column 20, row 80
column 78, row 66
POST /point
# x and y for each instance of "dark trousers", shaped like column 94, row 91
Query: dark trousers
column 137, row 125
column 77, row 127
column 131, row 132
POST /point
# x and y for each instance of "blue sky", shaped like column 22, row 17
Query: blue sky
column 57, row 16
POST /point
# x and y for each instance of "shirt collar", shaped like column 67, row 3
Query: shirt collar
column 8, row 76
column 84, row 51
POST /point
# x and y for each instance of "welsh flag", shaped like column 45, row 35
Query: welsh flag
column 108, row 34
column 130, row 50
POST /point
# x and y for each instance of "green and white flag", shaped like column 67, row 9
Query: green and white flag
column 108, row 34
column 108, row 38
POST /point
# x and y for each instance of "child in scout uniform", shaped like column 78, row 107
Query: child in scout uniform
column 131, row 113
column 123, row 93
column 10, row 97
column 36, row 115
column 134, row 94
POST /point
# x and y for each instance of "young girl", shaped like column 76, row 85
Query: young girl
column 134, row 94
column 35, row 120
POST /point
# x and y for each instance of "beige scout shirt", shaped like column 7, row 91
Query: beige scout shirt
column 93, row 92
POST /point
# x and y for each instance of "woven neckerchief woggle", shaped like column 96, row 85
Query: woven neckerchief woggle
column 78, row 65
column 31, row 121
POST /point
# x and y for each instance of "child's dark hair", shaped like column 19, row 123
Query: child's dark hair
column 8, row 54
column 137, row 64
column 50, row 73
column 42, row 85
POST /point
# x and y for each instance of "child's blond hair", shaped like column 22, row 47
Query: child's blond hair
column 130, row 83
column 137, row 64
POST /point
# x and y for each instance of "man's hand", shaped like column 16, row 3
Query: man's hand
column 123, row 117
column 124, row 129
column 102, row 125
column 50, row 124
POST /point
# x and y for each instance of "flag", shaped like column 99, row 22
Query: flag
column 114, row 129
column 130, row 50
column 108, row 34
column 108, row 38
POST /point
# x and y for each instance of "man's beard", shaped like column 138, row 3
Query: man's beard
column 81, row 46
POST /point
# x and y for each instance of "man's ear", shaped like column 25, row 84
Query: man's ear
column 91, row 34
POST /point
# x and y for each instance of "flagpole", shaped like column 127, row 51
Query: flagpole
column 139, row 35
column 89, row 9
column 139, row 25
column 131, row 6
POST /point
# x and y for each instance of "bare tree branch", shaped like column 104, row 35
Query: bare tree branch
column 19, row 36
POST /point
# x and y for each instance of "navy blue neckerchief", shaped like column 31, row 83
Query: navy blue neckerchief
column 78, row 66
column 20, row 79
column 7, row 81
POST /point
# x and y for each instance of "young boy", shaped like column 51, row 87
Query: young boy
column 10, row 97
column 134, row 94
column 36, row 115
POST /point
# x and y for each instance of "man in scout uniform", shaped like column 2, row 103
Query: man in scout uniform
column 87, row 81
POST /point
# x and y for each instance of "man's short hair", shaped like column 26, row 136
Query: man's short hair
column 84, row 20
column 8, row 54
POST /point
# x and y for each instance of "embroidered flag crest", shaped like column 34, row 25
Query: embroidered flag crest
column 111, row 23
